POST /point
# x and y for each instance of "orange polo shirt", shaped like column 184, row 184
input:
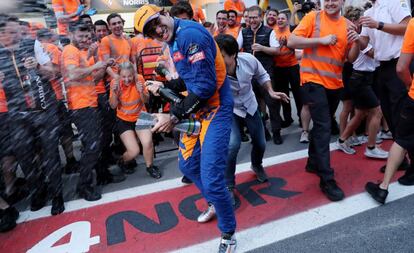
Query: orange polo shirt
column 66, row 7
column 408, row 48
column 80, row 93
column 323, row 65
column 118, row 48
column 287, row 60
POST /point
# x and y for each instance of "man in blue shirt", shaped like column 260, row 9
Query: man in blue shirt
column 242, row 68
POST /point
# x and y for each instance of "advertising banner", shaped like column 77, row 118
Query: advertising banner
column 112, row 5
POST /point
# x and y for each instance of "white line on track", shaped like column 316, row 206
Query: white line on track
column 110, row 197
column 278, row 230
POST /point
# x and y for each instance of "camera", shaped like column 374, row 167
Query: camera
column 307, row 6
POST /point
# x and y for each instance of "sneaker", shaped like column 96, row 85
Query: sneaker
column 385, row 135
column 364, row 139
column 377, row 152
column 345, row 147
column 228, row 244
column 331, row 190
column 154, row 172
column 376, row 192
column 207, row 215
column 354, row 141
column 186, row 180
column 277, row 138
column 260, row 173
column 304, row 137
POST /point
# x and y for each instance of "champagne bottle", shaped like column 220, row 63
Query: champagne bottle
column 187, row 126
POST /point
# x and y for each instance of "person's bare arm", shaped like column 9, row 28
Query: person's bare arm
column 353, row 52
column 267, row 50
column 395, row 29
column 298, row 42
column 403, row 68
column 77, row 73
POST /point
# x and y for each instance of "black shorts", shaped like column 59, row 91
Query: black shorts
column 405, row 129
column 122, row 126
column 5, row 142
column 362, row 93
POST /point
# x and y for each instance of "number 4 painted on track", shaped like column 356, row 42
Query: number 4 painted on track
column 80, row 240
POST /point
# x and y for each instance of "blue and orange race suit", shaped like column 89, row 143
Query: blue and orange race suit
column 202, row 158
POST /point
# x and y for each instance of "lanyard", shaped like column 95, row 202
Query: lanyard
column 17, row 69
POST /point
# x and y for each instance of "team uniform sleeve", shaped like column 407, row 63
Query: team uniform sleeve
column 408, row 44
column 240, row 39
column 399, row 10
column 273, row 42
column 200, row 53
column 305, row 27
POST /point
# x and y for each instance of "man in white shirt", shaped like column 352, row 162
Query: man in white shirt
column 383, row 26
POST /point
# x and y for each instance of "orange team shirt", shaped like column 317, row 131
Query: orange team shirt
column 198, row 13
column 408, row 48
column 55, row 55
column 238, row 6
column 80, row 93
column 318, row 70
column 100, row 87
column 130, row 103
column 288, row 60
column 3, row 100
column 118, row 48
column 66, row 7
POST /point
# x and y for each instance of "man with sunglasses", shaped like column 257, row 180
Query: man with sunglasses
column 202, row 74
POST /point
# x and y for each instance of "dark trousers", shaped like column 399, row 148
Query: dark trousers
column 392, row 92
column 38, row 131
column 88, row 124
column 272, row 104
column 107, row 121
column 65, row 129
column 255, row 126
column 321, row 102
column 283, row 77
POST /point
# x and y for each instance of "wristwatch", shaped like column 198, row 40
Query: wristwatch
column 380, row 25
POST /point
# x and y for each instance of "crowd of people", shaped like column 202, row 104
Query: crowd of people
column 234, row 75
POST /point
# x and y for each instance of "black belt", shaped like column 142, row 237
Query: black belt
column 389, row 62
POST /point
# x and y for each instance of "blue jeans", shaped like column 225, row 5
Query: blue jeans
column 256, row 130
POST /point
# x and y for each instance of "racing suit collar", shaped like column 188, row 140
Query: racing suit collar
column 176, row 26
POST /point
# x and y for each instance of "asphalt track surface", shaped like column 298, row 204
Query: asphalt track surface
column 357, row 224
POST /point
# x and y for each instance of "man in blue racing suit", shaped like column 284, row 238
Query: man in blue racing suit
column 202, row 74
